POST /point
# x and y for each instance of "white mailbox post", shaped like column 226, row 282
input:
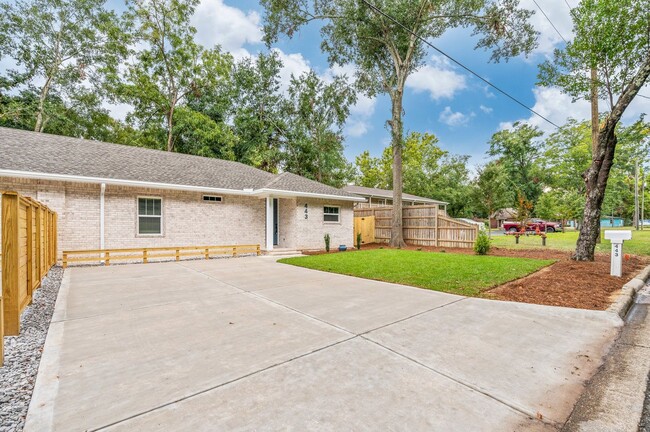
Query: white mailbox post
column 617, row 238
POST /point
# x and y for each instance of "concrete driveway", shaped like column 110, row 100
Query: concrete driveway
column 250, row 344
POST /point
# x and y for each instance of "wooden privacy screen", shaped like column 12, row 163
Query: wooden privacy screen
column 155, row 253
column 28, row 253
column 422, row 225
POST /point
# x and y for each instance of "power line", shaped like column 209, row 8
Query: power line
column 549, row 20
column 517, row 101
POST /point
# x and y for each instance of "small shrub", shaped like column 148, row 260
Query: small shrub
column 482, row 245
column 327, row 242
column 358, row 241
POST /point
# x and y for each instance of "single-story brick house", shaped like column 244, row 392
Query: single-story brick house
column 110, row 196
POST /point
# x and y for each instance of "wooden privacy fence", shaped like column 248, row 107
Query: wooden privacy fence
column 422, row 225
column 155, row 253
column 28, row 253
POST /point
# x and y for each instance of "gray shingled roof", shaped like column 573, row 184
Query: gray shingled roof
column 53, row 154
column 383, row 193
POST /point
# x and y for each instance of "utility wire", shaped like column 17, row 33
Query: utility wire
column 517, row 101
column 549, row 20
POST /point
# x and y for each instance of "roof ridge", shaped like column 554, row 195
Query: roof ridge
column 277, row 178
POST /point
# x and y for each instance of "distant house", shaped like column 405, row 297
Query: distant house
column 381, row 197
column 502, row 215
column 110, row 196
column 612, row 222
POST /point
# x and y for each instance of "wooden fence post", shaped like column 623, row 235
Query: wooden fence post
column 10, row 258
column 39, row 223
column 30, row 249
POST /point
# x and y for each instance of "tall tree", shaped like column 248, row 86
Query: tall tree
column 259, row 112
column 518, row 151
column 170, row 67
column 318, row 111
column 492, row 189
column 62, row 48
column 386, row 53
column 612, row 36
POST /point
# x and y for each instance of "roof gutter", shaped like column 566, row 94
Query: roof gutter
column 116, row 182
column 169, row 186
column 280, row 193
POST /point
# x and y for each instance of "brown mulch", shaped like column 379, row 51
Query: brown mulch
column 568, row 283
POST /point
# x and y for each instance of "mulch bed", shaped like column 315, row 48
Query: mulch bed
column 568, row 283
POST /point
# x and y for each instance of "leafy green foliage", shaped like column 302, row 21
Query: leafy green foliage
column 168, row 68
column 318, row 111
column 327, row 239
column 517, row 150
column 482, row 244
column 492, row 189
column 358, row 241
column 63, row 51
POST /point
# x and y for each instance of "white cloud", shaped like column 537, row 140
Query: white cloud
column 559, row 14
column 437, row 78
column 230, row 27
column 485, row 109
column 292, row 64
column 556, row 106
column 453, row 119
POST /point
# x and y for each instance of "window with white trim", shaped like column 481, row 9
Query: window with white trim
column 212, row 198
column 149, row 216
column 331, row 214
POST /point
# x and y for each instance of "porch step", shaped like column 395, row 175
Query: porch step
column 282, row 252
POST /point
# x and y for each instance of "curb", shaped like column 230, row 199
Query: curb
column 625, row 299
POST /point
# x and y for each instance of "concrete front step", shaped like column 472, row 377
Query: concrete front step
column 282, row 252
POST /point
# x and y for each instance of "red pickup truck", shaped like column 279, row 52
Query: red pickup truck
column 532, row 225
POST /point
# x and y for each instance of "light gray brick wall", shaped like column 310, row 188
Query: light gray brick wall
column 187, row 219
column 308, row 233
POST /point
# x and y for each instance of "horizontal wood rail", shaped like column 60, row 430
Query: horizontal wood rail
column 154, row 253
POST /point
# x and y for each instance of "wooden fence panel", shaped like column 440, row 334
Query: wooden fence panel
column 422, row 225
column 365, row 226
column 25, row 259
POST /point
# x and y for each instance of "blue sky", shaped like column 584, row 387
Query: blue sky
column 440, row 98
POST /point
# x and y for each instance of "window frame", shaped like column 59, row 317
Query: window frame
column 138, row 215
column 218, row 199
column 338, row 214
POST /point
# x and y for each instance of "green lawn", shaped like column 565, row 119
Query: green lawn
column 639, row 245
column 454, row 273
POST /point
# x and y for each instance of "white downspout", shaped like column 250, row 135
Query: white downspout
column 101, row 215
column 269, row 223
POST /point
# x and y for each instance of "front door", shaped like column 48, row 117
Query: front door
column 276, row 222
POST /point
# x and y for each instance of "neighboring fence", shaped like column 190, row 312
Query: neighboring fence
column 28, row 253
column 155, row 253
column 423, row 225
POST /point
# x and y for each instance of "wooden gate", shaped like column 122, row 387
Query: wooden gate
column 366, row 226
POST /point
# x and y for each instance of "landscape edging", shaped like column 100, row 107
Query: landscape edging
column 626, row 297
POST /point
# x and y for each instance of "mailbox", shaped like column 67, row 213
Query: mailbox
column 617, row 238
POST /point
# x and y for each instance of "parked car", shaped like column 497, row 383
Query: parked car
column 532, row 225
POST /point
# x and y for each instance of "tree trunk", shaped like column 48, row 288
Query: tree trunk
column 596, row 182
column 40, row 123
column 595, row 123
column 597, row 174
column 396, row 231
column 170, row 125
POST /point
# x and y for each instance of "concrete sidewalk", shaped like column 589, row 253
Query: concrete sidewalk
column 250, row 344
